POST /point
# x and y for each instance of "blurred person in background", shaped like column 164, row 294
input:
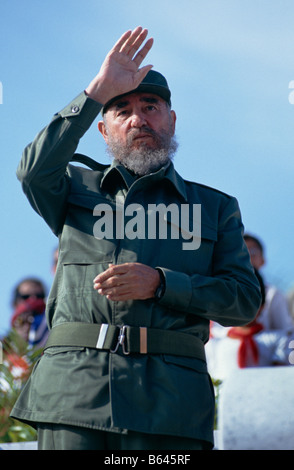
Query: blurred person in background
column 28, row 317
column 248, row 346
column 54, row 261
column 275, row 314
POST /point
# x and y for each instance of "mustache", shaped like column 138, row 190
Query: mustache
column 134, row 133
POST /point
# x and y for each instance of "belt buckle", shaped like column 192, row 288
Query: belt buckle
column 121, row 341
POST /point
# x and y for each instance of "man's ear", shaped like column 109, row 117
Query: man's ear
column 102, row 130
column 174, row 119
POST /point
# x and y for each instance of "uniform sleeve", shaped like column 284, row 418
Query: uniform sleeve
column 231, row 294
column 42, row 169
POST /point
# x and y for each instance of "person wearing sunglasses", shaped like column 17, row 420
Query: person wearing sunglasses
column 28, row 318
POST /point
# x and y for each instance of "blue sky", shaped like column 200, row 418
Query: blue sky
column 229, row 64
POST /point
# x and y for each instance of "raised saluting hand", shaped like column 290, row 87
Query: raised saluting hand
column 120, row 72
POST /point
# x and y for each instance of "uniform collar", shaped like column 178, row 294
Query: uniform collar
column 128, row 178
column 114, row 170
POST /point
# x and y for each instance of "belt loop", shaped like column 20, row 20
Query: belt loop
column 102, row 336
column 143, row 340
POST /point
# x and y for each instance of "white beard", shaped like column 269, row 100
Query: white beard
column 145, row 159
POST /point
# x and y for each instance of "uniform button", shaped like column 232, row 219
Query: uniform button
column 75, row 109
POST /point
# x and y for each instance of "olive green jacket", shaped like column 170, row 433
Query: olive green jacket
column 152, row 393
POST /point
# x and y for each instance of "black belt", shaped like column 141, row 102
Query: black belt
column 132, row 339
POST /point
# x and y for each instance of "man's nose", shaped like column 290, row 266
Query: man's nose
column 138, row 119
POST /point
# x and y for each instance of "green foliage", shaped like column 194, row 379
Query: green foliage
column 18, row 361
column 217, row 385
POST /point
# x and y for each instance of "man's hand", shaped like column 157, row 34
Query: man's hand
column 128, row 281
column 120, row 71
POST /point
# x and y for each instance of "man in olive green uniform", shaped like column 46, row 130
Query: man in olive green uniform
column 129, row 310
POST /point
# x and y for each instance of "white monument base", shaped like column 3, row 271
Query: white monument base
column 256, row 410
